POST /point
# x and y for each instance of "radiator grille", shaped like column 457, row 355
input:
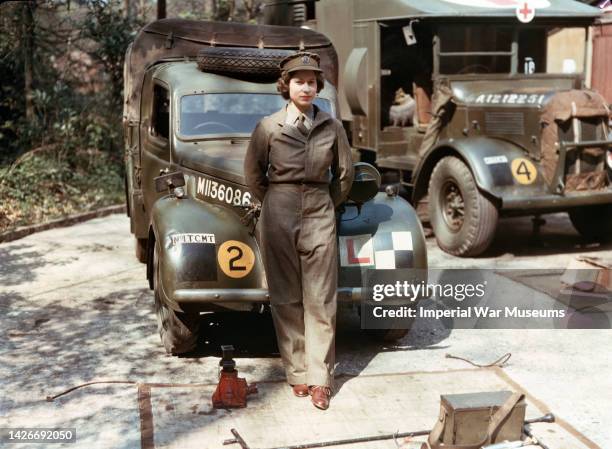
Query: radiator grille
column 299, row 14
column 507, row 123
column 590, row 129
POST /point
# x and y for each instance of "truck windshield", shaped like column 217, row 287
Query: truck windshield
column 230, row 113
column 488, row 48
column 475, row 49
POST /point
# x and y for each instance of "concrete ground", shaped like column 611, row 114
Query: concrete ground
column 75, row 308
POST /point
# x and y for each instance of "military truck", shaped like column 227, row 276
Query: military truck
column 194, row 92
column 502, row 124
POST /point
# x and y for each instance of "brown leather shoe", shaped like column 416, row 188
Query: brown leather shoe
column 300, row 390
column 320, row 395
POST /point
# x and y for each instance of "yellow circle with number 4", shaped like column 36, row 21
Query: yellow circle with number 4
column 235, row 258
column 524, row 171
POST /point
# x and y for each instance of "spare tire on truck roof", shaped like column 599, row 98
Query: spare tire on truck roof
column 257, row 64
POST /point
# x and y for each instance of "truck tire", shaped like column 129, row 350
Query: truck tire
column 141, row 249
column 593, row 222
column 462, row 218
column 127, row 196
column 250, row 62
column 178, row 330
column 386, row 335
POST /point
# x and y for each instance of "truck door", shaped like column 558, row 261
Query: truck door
column 155, row 132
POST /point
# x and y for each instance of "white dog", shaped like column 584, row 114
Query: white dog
column 402, row 111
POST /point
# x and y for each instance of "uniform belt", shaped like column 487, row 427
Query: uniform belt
column 303, row 183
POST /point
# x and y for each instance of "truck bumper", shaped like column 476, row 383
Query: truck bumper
column 189, row 297
column 557, row 202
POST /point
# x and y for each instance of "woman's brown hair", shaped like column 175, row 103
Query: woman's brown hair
column 282, row 85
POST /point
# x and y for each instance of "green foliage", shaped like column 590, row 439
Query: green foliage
column 66, row 112
column 224, row 11
column 112, row 32
column 45, row 185
column 67, row 157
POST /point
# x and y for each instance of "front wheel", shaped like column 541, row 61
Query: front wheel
column 178, row 330
column 593, row 222
column 462, row 218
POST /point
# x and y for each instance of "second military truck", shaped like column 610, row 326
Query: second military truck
column 482, row 116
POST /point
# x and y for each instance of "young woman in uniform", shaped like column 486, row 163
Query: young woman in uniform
column 299, row 166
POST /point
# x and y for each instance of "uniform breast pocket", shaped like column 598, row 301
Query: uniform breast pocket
column 323, row 150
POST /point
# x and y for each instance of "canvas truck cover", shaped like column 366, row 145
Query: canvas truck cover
column 398, row 9
column 174, row 39
column 560, row 108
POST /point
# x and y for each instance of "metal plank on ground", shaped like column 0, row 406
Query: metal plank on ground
column 366, row 405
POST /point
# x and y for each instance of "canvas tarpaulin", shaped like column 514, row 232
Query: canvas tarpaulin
column 558, row 112
column 441, row 111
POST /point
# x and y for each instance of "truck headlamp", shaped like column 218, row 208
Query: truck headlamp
column 179, row 192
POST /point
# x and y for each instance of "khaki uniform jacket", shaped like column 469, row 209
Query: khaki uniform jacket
column 279, row 153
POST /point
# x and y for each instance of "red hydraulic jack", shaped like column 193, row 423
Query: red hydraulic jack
column 232, row 391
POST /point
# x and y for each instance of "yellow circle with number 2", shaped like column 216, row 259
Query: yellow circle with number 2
column 524, row 171
column 235, row 258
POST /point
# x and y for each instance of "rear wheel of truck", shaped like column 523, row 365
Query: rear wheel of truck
column 178, row 330
column 593, row 222
column 141, row 249
column 462, row 218
column 127, row 196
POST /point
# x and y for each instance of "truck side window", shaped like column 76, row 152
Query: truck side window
column 161, row 112
column 532, row 50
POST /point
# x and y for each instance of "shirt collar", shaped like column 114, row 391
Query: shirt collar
column 293, row 113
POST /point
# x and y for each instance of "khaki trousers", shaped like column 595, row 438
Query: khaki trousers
column 306, row 341
column 299, row 249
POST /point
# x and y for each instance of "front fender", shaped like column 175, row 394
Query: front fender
column 386, row 236
column 490, row 161
column 203, row 246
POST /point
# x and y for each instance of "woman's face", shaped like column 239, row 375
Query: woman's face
column 303, row 88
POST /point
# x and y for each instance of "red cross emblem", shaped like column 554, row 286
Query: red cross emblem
column 525, row 12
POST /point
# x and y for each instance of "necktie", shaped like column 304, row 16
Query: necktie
column 301, row 126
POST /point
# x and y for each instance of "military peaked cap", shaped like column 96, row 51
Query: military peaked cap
column 302, row 60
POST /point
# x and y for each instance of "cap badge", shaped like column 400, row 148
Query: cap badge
column 305, row 59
